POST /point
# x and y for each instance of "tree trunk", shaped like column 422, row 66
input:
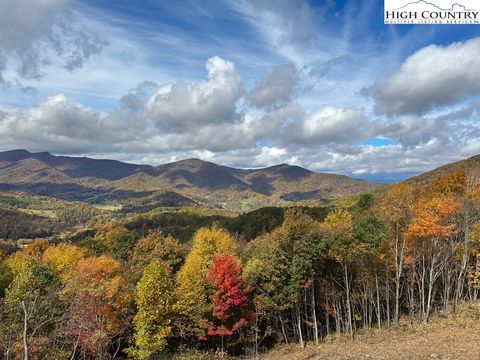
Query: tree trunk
column 25, row 329
column 283, row 330
column 349, row 309
column 314, row 314
column 379, row 317
column 299, row 325
column 399, row 252
column 461, row 274
column 327, row 316
column 387, row 295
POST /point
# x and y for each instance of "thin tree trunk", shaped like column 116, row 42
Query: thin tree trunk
column 387, row 291
column 314, row 314
column 379, row 318
column 461, row 274
column 299, row 325
column 327, row 315
column 283, row 330
column 75, row 347
column 399, row 252
column 349, row 309
column 256, row 336
column 25, row 329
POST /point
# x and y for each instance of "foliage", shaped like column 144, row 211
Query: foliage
column 193, row 287
column 114, row 239
column 99, row 303
column 5, row 278
column 157, row 247
column 230, row 296
column 157, row 310
column 63, row 258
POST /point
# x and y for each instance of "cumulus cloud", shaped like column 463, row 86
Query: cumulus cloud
column 180, row 106
column 58, row 123
column 33, row 34
column 433, row 77
column 276, row 89
column 209, row 119
column 158, row 118
column 327, row 125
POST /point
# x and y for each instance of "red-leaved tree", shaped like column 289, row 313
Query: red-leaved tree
column 231, row 305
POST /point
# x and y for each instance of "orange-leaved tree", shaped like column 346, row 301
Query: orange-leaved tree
column 428, row 232
column 99, row 303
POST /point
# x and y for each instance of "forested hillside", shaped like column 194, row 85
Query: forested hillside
column 161, row 285
column 190, row 181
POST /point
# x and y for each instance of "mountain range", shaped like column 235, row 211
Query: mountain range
column 191, row 180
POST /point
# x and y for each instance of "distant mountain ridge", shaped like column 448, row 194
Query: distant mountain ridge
column 202, row 181
column 471, row 164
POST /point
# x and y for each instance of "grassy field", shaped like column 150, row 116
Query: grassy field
column 45, row 213
column 108, row 207
column 453, row 339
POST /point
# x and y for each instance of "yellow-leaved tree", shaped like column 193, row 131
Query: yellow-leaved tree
column 62, row 259
column 157, row 309
column 193, row 288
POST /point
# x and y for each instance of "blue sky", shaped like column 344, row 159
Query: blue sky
column 321, row 84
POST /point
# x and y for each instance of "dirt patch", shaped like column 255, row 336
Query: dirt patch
column 452, row 339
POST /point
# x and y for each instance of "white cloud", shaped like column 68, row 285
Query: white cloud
column 210, row 119
column 35, row 34
column 327, row 125
column 434, row 76
column 180, row 106
column 285, row 25
column 276, row 89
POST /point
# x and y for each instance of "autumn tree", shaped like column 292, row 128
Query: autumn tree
column 397, row 208
column 230, row 297
column 338, row 229
column 5, row 278
column 113, row 239
column 62, row 259
column 281, row 269
column 156, row 311
column 370, row 233
column 33, row 308
column 428, row 231
column 22, row 261
column 156, row 246
column 98, row 305
column 193, row 287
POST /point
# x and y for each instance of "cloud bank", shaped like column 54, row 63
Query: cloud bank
column 212, row 119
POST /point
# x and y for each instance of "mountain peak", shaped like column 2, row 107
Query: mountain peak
column 14, row 155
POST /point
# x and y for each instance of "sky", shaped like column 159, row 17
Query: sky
column 245, row 83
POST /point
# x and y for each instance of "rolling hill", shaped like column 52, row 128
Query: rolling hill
column 201, row 182
column 471, row 164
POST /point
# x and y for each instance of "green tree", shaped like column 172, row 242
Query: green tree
column 281, row 266
column 5, row 278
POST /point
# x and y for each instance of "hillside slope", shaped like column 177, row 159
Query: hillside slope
column 452, row 338
column 472, row 165
column 205, row 183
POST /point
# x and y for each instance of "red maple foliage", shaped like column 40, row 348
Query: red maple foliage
column 231, row 296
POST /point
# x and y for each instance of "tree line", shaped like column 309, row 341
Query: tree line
column 400, row 256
